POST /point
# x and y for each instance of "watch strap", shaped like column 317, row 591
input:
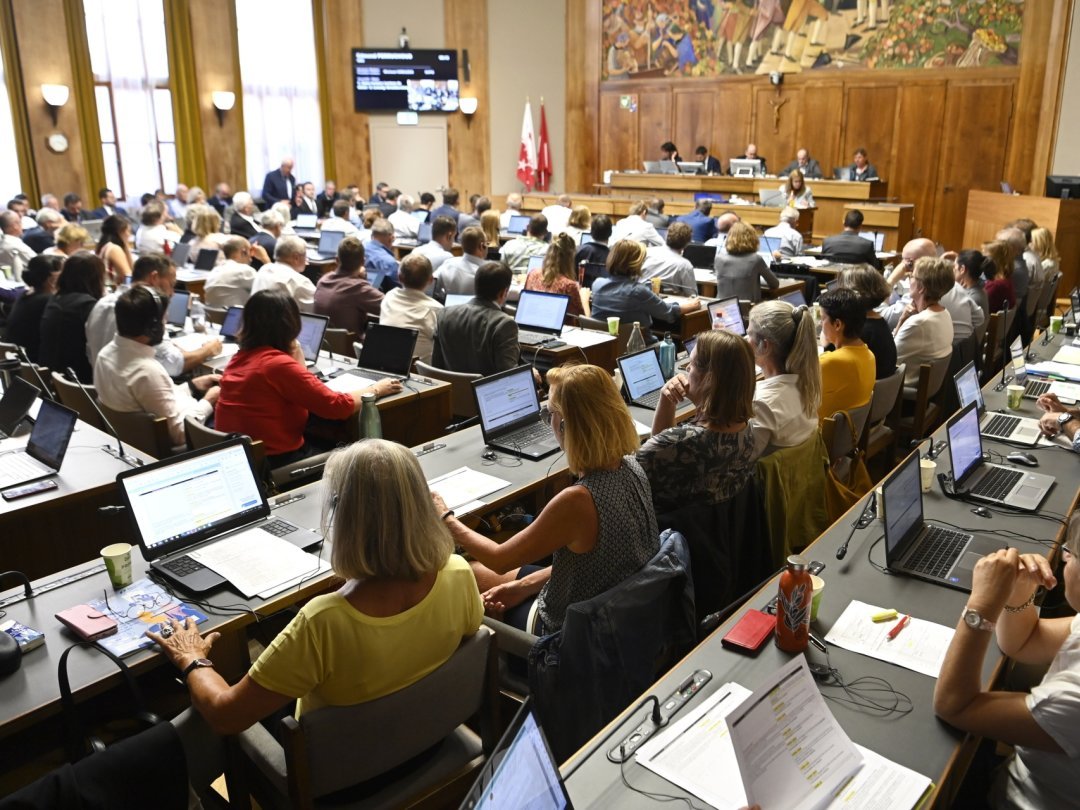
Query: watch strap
column 984, row 623
column 198, row 663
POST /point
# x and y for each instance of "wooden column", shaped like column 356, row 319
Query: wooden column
column 468, row 137
column 582, row 95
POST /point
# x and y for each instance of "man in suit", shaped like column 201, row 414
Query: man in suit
column 861, row 169
column 478, row 337
column 242, row 222
column 848, row 247
column 40, row 238
column 107, row 206
column 711, row 164
column 326, row 199
column 751, row 153
column 307, row 203
column 280, row 183
column 222, row 198
column 809, row 167
column 448, row 208
column 702, row 225
column 72, row 210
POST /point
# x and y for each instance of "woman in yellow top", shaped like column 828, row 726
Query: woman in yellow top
column 847, row 372
column 407, row 603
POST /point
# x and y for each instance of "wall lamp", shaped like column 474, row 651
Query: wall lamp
column 468, row 104
column 56, row 96
column 224, row 101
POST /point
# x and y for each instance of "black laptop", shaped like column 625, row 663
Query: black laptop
column 176, row 314
column 702, row 257
column 180, row 253
column 231, row 324
column 387, row 352
column 510, row 416
column 727, row 314
column 206, row 259
column 540, row 316
column 45, row 450
column 643, row 378
column 15, row 405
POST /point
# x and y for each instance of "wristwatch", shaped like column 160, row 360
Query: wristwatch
column 198, row 663
column 1065, row 417
column 973, row 619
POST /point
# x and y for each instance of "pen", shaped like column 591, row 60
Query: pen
column 884, row 616
column 818, row 643
column 900, row 625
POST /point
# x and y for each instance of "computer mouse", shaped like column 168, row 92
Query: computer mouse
column 489, row 455
column 982, row 511
column 1027, row 459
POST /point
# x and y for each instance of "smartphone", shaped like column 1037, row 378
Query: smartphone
column 43, row 485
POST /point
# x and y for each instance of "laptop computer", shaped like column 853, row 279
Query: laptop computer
column 231, row 324
column 423, row 234
column 726, row 314
column 842, row 173
column 772, row 199
column 535, row 263
column 180, row 253
column 328, row 244
column 920, row 549
column 305, row 224
column 585, row 239
column 795, row 298
column 521, row 771
column 701, row 256
column 15, row 405
column 456, row 299
column 177, row 312
column 45, row 450
column 312, row 329
column 980, row 480
column 692, row 167
column 540, row 316
column 1068, row 392
column 877, row 237
column 643, row 378
column 206, row 259
column 767, row 245
column 517, row 225
column 688, row 348
column 1004, row 426
column 194, row 499
column 388, row 352
column 421, row 214
column 510, row 417
column 591, row 271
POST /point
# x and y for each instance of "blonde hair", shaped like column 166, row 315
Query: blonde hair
column 625, row 258
column 580, row 217
column 559, row 260
column 637, row 208
column 597, row 427
column 489, row 223
column 935, row 276
column 71, row 234
column 1042, row 242
column 205, row 221
column 792, row 337
column 727, row 363
column 379, row 514
column 742, row 239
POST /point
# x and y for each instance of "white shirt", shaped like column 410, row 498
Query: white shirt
column 558, row 217
column 636, row 228
column 436, row 253
column 791, row 241
column 406, row 226
column 229, row 284
column 966, row 315
column 517, row 252
column 664, row 263
column 278, row 276
column 128, row 379
column 925, row 336
column 339, row 224
column 779, row 418
column 101, row 329
column 458, row 275
column 412, row 309
column 177, row 209
column 14, row 253
column 152, row 239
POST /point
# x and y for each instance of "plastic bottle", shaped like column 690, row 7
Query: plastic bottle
column 370, row 423
column 793, row 606
column 667, row 356
column 637, row 340
column 198, row 314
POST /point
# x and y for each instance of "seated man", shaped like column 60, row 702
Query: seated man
column 517, row 252
column 666, row 262
column 709, row 164
column 456, row 276
column 345, row 295
column 513, row 209
column 723, row 225
column 406, row 226
column 229, row 283
column 242, row 221
column 634, row 226
column 379, row 254
column 809, row 167
column 340, row 219
column 286, row 272
column 42, row 237
column 558, row 214
column 791, row 241
column 596, row 251
column 129, row 379
column 272, row 225
column 410, row 307
column 14, row 253
column 702, row 225
column 848, row 247
column 156, row 271
column 751, row 153
column 478, row 337
column 156, row 230
column 437, row 251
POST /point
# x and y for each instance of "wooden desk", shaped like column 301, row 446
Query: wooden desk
column 706, row 285
column 194, row 280
column 690, row 323
column 595, row 348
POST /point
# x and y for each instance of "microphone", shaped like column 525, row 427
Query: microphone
column 864, row 520
column 306, row 470
column 118, row 453
column 713, row 620
column 1005, row 354
column 45, row 390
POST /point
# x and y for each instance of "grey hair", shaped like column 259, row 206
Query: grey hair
column 288, row 247
column 271, row 219
column 789, row 215
column 47, row 215
column 405, row 203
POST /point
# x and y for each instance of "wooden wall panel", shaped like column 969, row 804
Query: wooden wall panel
column 776, row 124
column 213, row 38
column 819, row 108
column 869, row 122
column 469, row 159
column 343, row 29
column 914, row 178
column 693, row 117
column 583, row 163
column 618, row 128
column 731, row 120
column 654, row 123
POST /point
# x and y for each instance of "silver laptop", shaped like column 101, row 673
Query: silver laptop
column 510, row 416
column 1003, row 426
column 920, row 549
column 305, row 224
column 518, row 224
column 388, row 352
column 180, row 253
column 726, row 314
column 651, row 166
column 1067, row 392
column 177, row 312
column 643, row 378
column 312, row 329
column 976, row 478
column 45, row 450
column 540, row 316
column 328, row 245
column 795, row 298
column 195, row 499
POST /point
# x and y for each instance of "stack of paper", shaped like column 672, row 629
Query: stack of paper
column 256, row 562
column 463, row 488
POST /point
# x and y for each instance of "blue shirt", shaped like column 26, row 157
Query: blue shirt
column 630, row 301
column 702, row 227
column 378, row 259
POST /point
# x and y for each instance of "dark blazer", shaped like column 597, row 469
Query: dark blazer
column 220, row 203
column 275, row 187
column 701, row 226
column 445, row 211
column 70, row 217
column 63, row 334
column 812, row 170
column 325, row 204
column 712, row 166
column 38, row 239
column 850, row 248
column 865, row 174
column 102, row 213
column 268, row 242
column 238, row 226
column 476, row 338
column 304, row 208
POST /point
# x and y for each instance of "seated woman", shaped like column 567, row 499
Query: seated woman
column 708, row 459
column 63, row 323
column 407, row 603
column 70, row 239
column 968, row 271
column 558, row 274
column 925, row 330
column 598, row 532
column 847, row 372
column 267, row 391
column 739, row 267
column 788, row 396
column 798, row 193
column 999, row 287
column 579, row 223
column 622, row 295
column 489, row 224
column 114, row 248
column 1043, row 725
column 206, row 225
column 24, row 323
column 875, row 332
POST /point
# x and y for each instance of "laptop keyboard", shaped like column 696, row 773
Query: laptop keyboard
column 997, row 482
column 278, row 528
column 938, row 551
column 183, row 566
column 1035, row 389
column 650, row 400
column 18, row 467
column 532, row 338
column 532, row 434
column 1001, row 425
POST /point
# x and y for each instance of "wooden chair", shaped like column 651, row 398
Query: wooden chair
column 340, row 341
column 926, row 409
column 993, row 348
column 1046, row 301
column 964, row 351
column 71, row 395
column 880, row 432
column 837, row 434
column 337, row 748
column 463, row 403
column 142, row 430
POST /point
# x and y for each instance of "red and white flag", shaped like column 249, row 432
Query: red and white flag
column 526, row 170
column 543, row 155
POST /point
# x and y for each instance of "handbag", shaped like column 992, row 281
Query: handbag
column 843, row 492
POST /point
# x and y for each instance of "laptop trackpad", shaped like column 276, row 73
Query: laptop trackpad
column 967, row 560
column 1026, row 492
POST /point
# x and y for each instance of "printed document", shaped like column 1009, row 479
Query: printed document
column 920, row 646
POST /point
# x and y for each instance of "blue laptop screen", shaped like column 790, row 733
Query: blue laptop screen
column 965, row 444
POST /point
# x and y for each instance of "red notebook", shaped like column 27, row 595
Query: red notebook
column 750, row 632
column 87, row 623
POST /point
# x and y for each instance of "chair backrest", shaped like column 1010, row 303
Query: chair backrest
column 29, row 376
column 993, row 348
column 1010, row 319
column 199, row 435
column 462, row 400
column 1046, row 298
column 931, row 379
column 216, row 314
column 793, row 485
column 141, row 430
column 335, row 746
column 69, row 394
column 885, row 395
column 340, row 341
column 841, row 435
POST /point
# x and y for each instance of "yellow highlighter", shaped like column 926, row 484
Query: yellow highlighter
column 884, row 616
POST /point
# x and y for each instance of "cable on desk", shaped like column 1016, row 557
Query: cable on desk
column 870, row 559
column 862, row 693
column 659, row 797
column 233, row 609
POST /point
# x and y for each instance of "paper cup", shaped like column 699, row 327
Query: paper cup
column 927, row 468
column 1016, row 396
column 819, row 587
column 613, row 325
column 1055, row 324
column 118, row 563
column 655, row 285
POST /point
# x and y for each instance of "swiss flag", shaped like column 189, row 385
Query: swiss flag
column 543, row 163
column 526, row 169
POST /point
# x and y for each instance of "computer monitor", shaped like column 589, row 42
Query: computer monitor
column 1063, row 187
column 668, row 167
column 744, row 167
column 692, row 167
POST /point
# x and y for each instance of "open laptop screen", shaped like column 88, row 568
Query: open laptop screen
column 312, row 328
column 535, row 263
column 767, row 245
column 180, row 253
column 306, row 221
column 234, row 320
column 1018, row 362
column 177, row 312
column 329, row 241
column 506, row 398
column 795, row 298
column 903, row 504
column 423, row 234
column 965, row 445
column 641, row 373
column 15, row 403
column 52, row 431
column 541, row 310
column 388, row 348
column 206, row 259
column 456, row 299
column 421, row 214
column 967, row 387
column 517, row 224
column 726, row 314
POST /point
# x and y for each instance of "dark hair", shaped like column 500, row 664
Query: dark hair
column 974, row 264
column 148, row 264
column 71, row 198
column 1025, row 226
column 483, row 204
column 427, row 198
column 102, row 192
column 701, row 150
column 704, row 206
column 111, row 229
column 492, row 278
column 450, row 196
column 679, row 236
column 471, row 239
column 82, row 272
column 271, row 318
column 538, row 225
column 853, row 219
column 860, row 151
column 350, row 255
column 601, row 227
column 137, row 309
column 442, row 226
column 668, row 146
column 340, row 208
column 846, row 306
column 415, row 271
column 726, row 362
column 39, row 268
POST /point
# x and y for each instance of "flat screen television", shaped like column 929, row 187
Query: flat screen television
column 1063, row 187
column 395, row 80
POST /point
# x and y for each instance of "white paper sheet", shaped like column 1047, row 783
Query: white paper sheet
column 316, row 570
column 881, row 784
column 255, row 561
column 1069, row 355
column 920, row 646
column 464, row 487
column 347, row 383
column 1050, row 368
column 195, row 341
column 583, row 338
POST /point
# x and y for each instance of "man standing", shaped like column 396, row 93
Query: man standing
column 478, row 337
column 279, row 183
column 345, row 295
column 702, row 225
column 809, row 167
column 848, row 247
column 286, row 273
column 14, row 252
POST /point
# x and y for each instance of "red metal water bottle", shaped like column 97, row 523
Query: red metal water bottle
column 793, row 606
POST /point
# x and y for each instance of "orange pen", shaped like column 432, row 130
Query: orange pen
column 900, row 625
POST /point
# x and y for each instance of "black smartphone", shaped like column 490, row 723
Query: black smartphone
column 43, row 485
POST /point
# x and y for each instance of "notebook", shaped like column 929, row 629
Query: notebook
column 45, row 449
column 540, row 316
column 423, row 234
column 517, row 225
column 535, row 263
column 521, row 771
column 767, row 245
column 643, row 378
column 15, row 405
column 920, row 549
column 388, row 352
column 192, row 500
column 1004, row 426
column 312, row 329
column 976, row 478
column 1068, row 392
column 726, row 314
column 773, row 199
column 510, row 417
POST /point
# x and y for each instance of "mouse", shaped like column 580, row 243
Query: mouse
column 1027, row 459
column 489, row 455
column 982, row 511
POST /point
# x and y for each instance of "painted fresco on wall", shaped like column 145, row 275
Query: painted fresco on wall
column 661, row 38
